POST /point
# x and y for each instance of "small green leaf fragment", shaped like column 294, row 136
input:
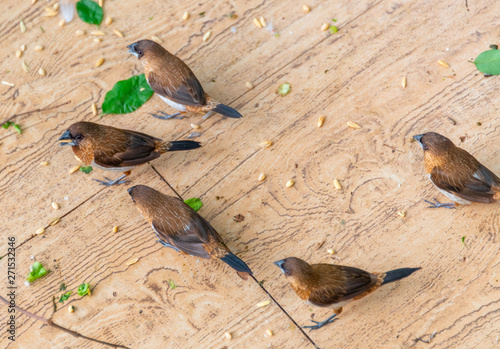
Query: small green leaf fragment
column 7, row 124
column 127, row 95
column 17, row 127
column 172, row 284
column 86, row 169
column 62, row 287
column 488, row 62
column 334, row 20
column 194, row 203
column 83, row 289
column 202, row 13
column 89, row 12
column 463, row 240
column 36, row 271
column 494, row 47
column 64, row 297
column 333, row 29
column 284, row 89
column 43, row 30
column 459, row 280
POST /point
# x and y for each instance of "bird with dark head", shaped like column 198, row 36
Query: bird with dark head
column 115, row 149
column 456, row 173
column 180, row 227
column 174, row 82
column 334, row 286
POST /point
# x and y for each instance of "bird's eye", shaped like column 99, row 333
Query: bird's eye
column 79, row 137
column 425, row 146
column 139, row 52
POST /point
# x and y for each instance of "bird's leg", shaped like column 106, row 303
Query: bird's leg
column 438, row 205
column 165, row 116
column 322, row 323
column 207, row 115
column 111, row 182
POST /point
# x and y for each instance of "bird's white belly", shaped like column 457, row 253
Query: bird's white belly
column 113, row 169
column 452, row 196
column 174, row 105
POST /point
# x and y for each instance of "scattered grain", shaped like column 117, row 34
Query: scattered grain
column 19, row 53
column 55, row 205
column 262, row 176
column 33, row 2
column 185, row 16
column 55, row 6
column 44, row 163
column 227, row 334
column 353, row 125
column 157, row 39
column 249, row 85
column 8, row 83
column 403, row 82
column 115, row 229
column 23, row 26
column 62, row 22
column 40, row 231
column 99, row 62
column 207, row 35
column 118, row 33
column 39, row 48
column 265, row 144
column 195, row 126
column 330, row 251
column 97, row 40
column 25, row 67
column 94, row 109
column 290, row 183
column 336, row 183
column 71, row 308
column 74, row 169
column 321, row 120
column 444, row 64
column 263, row 304
column 257, row 23
column 101, row 3
column 402, row 213
column 325, row 27
column 262, row 21
column 132, row 261
column 97, row 33
column 54, row 221
column 41, row 71
column 23, row 47
column 306, row 8
column 79, row 32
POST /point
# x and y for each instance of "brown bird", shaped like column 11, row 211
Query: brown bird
column 174, row 82
column 456, row 173
column 333, row 286
column 180, row 227
column 114, row 149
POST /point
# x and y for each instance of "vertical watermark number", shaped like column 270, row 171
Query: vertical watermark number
column 11, row 288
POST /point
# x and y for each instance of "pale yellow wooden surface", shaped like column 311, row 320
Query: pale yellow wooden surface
column 354, row 75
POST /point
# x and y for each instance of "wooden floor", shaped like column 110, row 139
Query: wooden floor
column 353, row 75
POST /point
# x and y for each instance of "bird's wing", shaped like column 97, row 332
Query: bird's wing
column 179, row 84
column 189, row 232
column 129, row 149
column 475, row 188
column 339, row 284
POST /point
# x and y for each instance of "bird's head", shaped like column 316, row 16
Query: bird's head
column 293, row 267
column 145, row 49
column 79, row 134
column 434, row 142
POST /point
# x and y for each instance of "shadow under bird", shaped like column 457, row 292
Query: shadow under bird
column 334, row 286
column 180, row 227
column 114, row 149
column 456, row 173
column 174, row 82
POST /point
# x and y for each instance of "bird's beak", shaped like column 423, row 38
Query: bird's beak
column 131, row 49
column 65, row 139
column 279, row 264
column 418, row 138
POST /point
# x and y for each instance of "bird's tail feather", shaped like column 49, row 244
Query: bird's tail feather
column 183, row 145
column 226, row 111
column 236, row 263
column 398, row 274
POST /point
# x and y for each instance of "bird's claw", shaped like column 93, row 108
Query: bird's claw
column 437, row 204
column 166, row 116
column 320, row 324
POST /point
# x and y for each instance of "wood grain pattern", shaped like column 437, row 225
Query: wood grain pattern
column 354, row 75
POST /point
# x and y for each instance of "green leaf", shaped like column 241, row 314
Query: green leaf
column 7, row 124
column 86, row 170
column 333, row 29
column 463, row 240
column 488, row 62
column 62, row 287
column 334, row 20
column 194, row 203
column 83, row 289
column 17, row 128
column 36, row 271
column 284, row 89
column 172, row 284
column 127, row 95
column 89, row 12
column 64, row 297
column 202, row 13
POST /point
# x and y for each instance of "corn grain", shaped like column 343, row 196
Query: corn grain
column 185, row 16
column 262, row 21
column 118, row 33
column 41, row 71
column 23, row 47
column 336, row 183
column 207, row 35
column 269, row 333
column 195, row 126
column 40, row 231
column 71, row 308
column 249, row 85
column 44, row 163
column 22, row 26
column 99, row 62
column 290, row 183
column 263, row 304
column 54, row 221
column 306, row 8
column 228, row 335
column 262, row 177
column 115, row 229
column 403, row 82
column 97, row 40
column 94, row 109
column 325, row 27
column 39, row 48
column 79, row 32
column 101, row 3
column 74, row 169
column 353, row 125
column 402, row 213
column 19, row 53
column 444, row 64
column 62, row 22
column 257, row 23
column 97, row 33
column 56, row 6
column 330, row 251
column 108, row 20
column 25, row 67
column 265, row 144
column 132, row 261
column 55, row 205
column 321, row 120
